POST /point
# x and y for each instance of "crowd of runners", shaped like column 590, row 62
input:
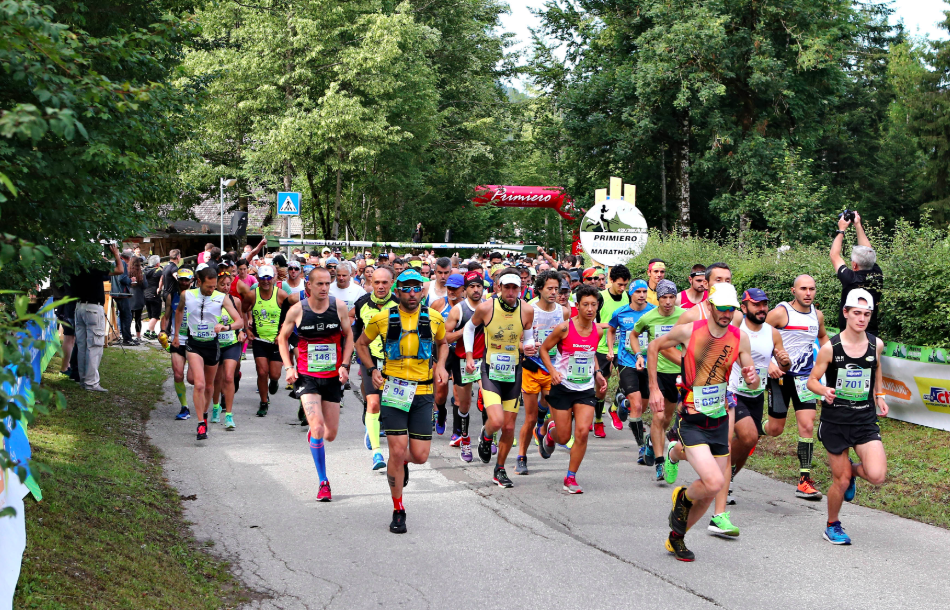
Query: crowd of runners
column 714, row 366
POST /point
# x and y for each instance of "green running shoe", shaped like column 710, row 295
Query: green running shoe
column 215, row 414
column 721, row 525
column 229, row 422
column 671, row 469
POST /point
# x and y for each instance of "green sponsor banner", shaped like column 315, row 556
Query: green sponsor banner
column 916, row 353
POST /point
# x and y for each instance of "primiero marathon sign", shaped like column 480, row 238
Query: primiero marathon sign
column 613, row 230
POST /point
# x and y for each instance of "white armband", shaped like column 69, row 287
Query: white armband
column 468, row 336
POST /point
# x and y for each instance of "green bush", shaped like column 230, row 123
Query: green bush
column 916, row 298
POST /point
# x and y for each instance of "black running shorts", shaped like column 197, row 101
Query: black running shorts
column 782, row 394
column 416, row 422
column 838, row 438
column 209, row 351
column 667, row 383
column 328, row 388
column 604, row 365
column 563, row 399
column 692, row 435
column 367, row 380
column 747, row 406
column 231, row 352
column 263, row 349
column 629, row 380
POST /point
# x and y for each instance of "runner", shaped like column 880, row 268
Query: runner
column 697, row 291
column 461, row 379
column 364, row 310
column 633, row 386
column 203, row 306
column 744, row 403
column 800, row 324
column 656, row 272
column 264, row 304
column 716, row 273
column 535, row 379
column 183, row 279
column 853, row 393
column 609, row 301
column 702, row 430
column 573, row 381
column 437, row 290
column 412, row 337
column 344, row 289
column 658, row 322
column 231, row 342
column 444, row 305
column 507, row 325
column 295, row 281
column 324, row 347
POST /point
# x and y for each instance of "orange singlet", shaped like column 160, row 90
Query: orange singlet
column 708, row 360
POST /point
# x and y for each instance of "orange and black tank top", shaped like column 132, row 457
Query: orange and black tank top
column 707, row 363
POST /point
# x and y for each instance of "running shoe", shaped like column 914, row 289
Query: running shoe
column 237, row 381
column 649, row 458
column 215, row 414
column 484, row 448
column 501, row 477
column 852, row 486
column 834, row 534
column 599, row 430
column 262, row 410
column 273, row 386
column 659, row 472
column 677, row 546
column 544, row 448
column 521, row 465
column 183, row 414
column 405, row 472
column 369, row 445
column 440, row 428
column 494, row 443
column 347, row 386
column 672, row 469
column 229, row 422
column 571, row 486
column 378, row 462
column 289, row 387
column 398, row 525
column 807, row 490
column 456, row 440
column 730, row 500
column 721, row 525
column 615, row 420
column 641, row 456
column 623, row 408
column 679, row 514
column 202, row 430
column 324, row 494
column 466, row 453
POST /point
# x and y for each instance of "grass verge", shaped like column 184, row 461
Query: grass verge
column 110, row 532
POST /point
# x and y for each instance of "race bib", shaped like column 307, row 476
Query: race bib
column 321, row 357
column 398, row 393
column 710, row 400
column 580, row 367
column 542, row 335
column 661, row 329
column 853, row 384
column 762, row 372
column 476, row 375
column 204, row 331
column 501, row 367
column 228, row 337
column 801, row 388
column 183, row 331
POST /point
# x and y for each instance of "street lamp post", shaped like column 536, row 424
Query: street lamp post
column 224, row 182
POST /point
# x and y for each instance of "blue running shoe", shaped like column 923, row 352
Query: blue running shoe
column 834, row 534
column 183, row 414
column 852, row 486
column 623, row 409
column 378, row 462
column 369, row 445
column 648, row 457
column 439, row 428
column 660, row 475
column 640, row 456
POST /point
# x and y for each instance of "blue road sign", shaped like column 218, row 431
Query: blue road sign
column 288, row 204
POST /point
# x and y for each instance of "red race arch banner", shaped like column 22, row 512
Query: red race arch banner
column 553, row 197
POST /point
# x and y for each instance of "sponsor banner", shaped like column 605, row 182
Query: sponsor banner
column 613, row 231
column 916, row 353
column 917, row 392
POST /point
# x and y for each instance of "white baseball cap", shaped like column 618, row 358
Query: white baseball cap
column 265, row 271
column 724, row 295
column 858, row 294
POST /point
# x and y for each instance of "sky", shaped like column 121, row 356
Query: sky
column 920, row 18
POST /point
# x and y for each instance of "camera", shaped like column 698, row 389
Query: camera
column 848, row 215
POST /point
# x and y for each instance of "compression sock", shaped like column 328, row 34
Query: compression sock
column 570, row 473
column 372, row 429
column 463, row 424
column 733, row 472
column 484, row 417
column 542, row 415
column 319, row 457
column 182, row 395
column 659, row 460
column 806, row 448
column 397, row 504
column 599, row 411
column 440, row 417
column 456, row 420
column 636, row 426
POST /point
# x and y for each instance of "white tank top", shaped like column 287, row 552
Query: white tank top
column 762, row 346
column 799, row 336
column 203, row 313
column 545, row 322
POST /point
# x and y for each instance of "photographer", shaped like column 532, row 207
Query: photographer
column 87, row 287
column 863, row 271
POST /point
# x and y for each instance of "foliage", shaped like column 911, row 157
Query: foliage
column 916, row 305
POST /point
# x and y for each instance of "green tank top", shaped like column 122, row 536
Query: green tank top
column 228, row 337
column 266, row 316
column 607, row 312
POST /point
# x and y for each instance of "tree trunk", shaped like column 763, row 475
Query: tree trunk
column 683, row 154
column 339, row 192
column 663, row 210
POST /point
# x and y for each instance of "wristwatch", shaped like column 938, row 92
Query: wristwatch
column 840, row 232
column 372, row 370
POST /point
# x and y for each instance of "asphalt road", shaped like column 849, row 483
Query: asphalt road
column 471, row 543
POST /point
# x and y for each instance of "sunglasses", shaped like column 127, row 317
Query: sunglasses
column 223, row 273
column 725, row 308
column 265, row 278
column 408, row 289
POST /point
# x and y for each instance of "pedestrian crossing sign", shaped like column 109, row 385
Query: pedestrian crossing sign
column 288, row 204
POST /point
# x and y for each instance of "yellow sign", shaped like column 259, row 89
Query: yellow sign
column 934, row 393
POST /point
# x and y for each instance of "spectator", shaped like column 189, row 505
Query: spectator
column 121, row 294
column 66, row 314
column 137, row 302
column 153, row 299
column 169, row 283
column 863, row 272
column 417, row 234
column 203, row 256
column 87, row 287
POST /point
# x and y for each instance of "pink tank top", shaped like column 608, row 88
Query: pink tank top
column 576, row 355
